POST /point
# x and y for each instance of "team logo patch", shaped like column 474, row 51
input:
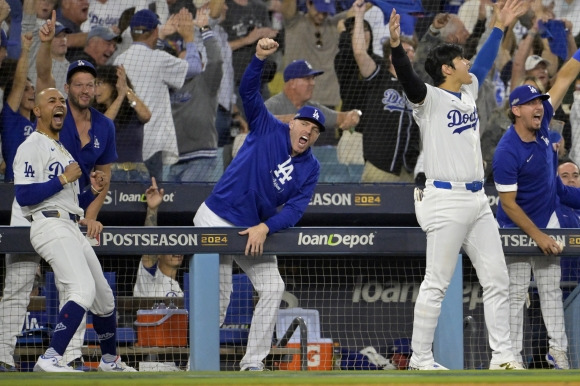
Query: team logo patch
column 106, row 336
column 315, row 115
column 59, row 327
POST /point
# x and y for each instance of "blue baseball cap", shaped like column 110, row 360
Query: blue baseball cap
column 3, row 39
column 80, row 65
column 524, row 94
column 325, row 6
column 144, row 20
column 299, row 69
column 311, row 114
column 58, row 28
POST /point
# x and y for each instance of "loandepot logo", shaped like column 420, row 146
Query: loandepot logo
column 336, row 239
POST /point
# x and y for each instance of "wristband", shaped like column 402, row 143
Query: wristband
column 97, row 192
column 64, row 178
column 577, row 55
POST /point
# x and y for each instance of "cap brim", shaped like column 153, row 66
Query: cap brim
column 79, row 69
column 321, row 127
column 542, row 97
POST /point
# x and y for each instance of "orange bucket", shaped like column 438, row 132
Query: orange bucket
column 162, row 328
column 319, row 357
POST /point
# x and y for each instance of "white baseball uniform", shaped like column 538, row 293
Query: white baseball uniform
column 454, row 213
column 155, row 284
column 58, row 240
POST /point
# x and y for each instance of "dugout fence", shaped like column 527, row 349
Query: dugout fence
column 379, row 267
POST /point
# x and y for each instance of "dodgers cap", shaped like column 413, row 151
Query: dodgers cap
column 299, row 69
column 58, row 28
column 325, row 6
column 144, row 20
column 311, row 114
column 524, row 94
column 80, row 65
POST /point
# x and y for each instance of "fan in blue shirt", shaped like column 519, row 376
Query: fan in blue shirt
column 274, row 168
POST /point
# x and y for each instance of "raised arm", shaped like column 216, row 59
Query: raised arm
column 564, row 79
column 289, row 8
column 504, row 15
column 365, row 62
column 414, row 87
column 44, row 78
column 154, row 197
column 19, row 81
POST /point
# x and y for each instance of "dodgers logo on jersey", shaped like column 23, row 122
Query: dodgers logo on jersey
column 462, row 121
column 283, row 174
column 393, row 101
column 28, row 130
column 56, row 168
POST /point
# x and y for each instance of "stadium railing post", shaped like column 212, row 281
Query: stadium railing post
column 204, row 303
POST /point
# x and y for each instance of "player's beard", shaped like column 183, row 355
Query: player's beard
column 74, row 100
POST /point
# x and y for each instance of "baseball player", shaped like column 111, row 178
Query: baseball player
column 274, row 167
column 453, row 209
column 524, row 171
column 90, row 138
column 156, row 275
column 46, row 187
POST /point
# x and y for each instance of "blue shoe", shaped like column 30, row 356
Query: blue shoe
column 6, row 368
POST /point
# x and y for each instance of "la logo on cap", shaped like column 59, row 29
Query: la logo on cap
column 315, row 115
column 533, row 89
column 80, row 63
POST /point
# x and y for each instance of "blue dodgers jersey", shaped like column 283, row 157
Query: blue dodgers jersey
column 263, row 176
column 100, row 150
column 532, row 167
column 15, row 129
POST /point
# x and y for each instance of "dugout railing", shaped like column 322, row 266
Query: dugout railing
column 204, row 245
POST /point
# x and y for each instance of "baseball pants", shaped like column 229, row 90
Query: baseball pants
column 455, row 218
column 265, row 277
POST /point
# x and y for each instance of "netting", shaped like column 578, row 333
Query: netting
column 182, row 126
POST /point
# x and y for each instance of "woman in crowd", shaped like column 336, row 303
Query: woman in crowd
column 116, row 99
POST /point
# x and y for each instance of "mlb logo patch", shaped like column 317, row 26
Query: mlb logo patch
column 95, row 242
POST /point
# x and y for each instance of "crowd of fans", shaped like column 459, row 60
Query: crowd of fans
column 176, row 118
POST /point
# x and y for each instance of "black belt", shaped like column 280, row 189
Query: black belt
column 56, row 214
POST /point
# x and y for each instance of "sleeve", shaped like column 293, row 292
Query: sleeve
column 30, row 187
column 414, row 87
column 569, row 195
column 259, row 118
column 294, row 209
column 193, row 60
column 213, row 70
column 505, row 170
column 35, row 193
column 486, row 56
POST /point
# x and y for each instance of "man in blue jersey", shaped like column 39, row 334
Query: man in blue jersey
column 274, row 168
column 524, row 170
